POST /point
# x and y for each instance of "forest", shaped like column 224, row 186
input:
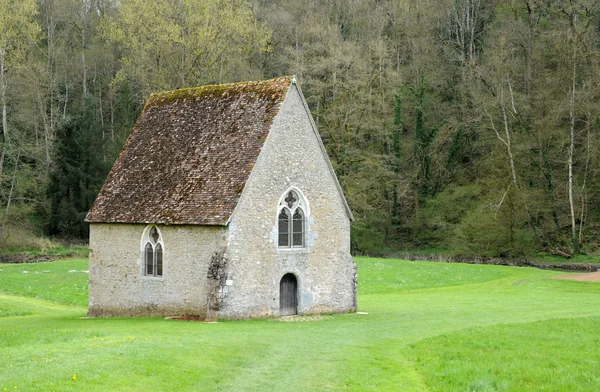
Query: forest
column 465, row 126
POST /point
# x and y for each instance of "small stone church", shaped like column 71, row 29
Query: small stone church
column 223, row 204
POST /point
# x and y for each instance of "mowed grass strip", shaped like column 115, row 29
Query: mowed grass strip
column 63, row 281
column 11, row 311
column 411, row 306
column 554, row 355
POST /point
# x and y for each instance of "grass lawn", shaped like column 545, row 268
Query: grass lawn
column 430, row 326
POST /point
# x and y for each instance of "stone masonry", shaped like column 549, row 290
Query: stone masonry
column 233, row 271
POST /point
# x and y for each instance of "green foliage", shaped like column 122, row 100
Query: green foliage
column 367, row 241
column 127, row 108
column 397, row 132
column 76, row 176
column 19, row 237
column 429, row 326
column 424, row 137
column 458, row 153
column 482, row 232
column 476, row 76
column 18, row 29
column 396, row 156
column 442, row 213
column 176, row 44
column 48, row 248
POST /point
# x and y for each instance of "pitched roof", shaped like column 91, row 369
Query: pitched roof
column 189, row 155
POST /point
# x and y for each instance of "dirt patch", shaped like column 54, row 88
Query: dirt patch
column 299, row 319
column 27, row 258
column 583, row 267
column 589, row 277
column 190, row 318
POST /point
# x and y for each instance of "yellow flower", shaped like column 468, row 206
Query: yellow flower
column 75, row 377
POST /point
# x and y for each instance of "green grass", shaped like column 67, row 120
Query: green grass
column 431, row 326
column 62, row 281
column 380, row 276
column 6, row 311
column 500, row 357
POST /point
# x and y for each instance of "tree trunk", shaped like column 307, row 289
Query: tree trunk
column 506, row 141
column 5, row 139
column 48, row 109
column 585, row 175
column 12, row 187
column 547, row 172
column 531, row 23
column 83, row 46
column 111, row 102
column 571, row 150
column 509, row 145
column 83, row 62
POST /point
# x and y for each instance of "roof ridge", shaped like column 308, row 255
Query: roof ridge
column 170, row 96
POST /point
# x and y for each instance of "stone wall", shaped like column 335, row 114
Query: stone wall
column 118, row 286
column 235, row 271
column 326, row 273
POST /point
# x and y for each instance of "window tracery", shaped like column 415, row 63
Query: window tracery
column 153, row 252
column 291, row 221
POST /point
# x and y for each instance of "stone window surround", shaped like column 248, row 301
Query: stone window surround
column 304, row 205
column 144, row 240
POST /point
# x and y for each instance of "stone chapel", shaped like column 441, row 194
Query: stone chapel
column 223, row 204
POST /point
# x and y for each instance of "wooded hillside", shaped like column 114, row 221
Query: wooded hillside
column 466, row 125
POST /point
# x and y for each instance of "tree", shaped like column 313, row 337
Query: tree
column 396, row 153
column 182, row 43
column 18, row 31
column 424, row 137
column 581, row 16
column 76, row 175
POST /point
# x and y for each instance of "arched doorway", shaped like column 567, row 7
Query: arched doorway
column 288, row 294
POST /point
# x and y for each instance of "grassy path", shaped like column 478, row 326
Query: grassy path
column 430, row 327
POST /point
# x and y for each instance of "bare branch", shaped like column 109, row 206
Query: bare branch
column 494, row 126
column 512, row 98
column 502, row 200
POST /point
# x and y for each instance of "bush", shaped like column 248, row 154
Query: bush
column 483, row 233
column 439, row 215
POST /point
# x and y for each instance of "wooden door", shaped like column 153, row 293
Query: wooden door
column 288, row 293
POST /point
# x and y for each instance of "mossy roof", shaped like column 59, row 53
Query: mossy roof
column 189, row 155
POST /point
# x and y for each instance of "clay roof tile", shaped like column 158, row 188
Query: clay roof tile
column 189, row 155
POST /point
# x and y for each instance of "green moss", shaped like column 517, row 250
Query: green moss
column 265, row 89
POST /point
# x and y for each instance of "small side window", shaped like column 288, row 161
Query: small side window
column 159, row 256
column 298, row 228
column 149, row 255
column 153, row 252
column 284, row 228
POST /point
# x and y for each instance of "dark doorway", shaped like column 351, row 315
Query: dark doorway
column 288, row 293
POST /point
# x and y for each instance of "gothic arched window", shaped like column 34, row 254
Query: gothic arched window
column 291, row 221
column 284, row 228
column 153, row 252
